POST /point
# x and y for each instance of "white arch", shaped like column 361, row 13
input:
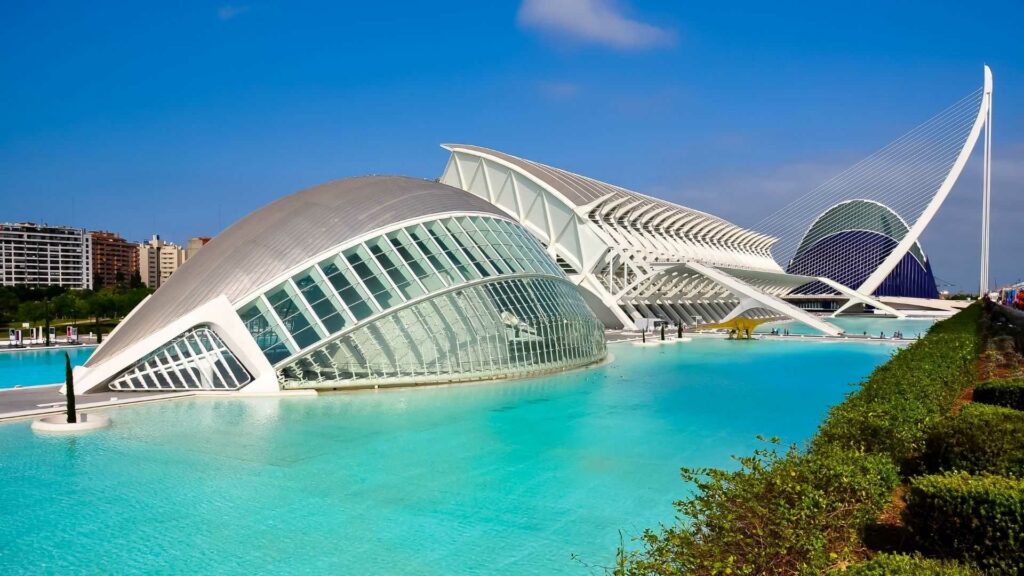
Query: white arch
column 878, row 276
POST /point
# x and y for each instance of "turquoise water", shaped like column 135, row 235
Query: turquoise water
column 494, row 478
column 910, row 327
column 32, row 367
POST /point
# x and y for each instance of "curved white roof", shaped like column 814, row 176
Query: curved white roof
column 264, row 245
column 580, row 190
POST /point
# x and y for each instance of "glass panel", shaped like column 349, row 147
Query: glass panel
column 501, row 328
column 293, row 316
column 370, row 274
column 322, row 305
column 463, row 241
column 182, row 364
column 263, row 328
column 470, row 225
column 407, row 251
column 451, row 250
column 395, row 268
column 433, row 252
column 351, row 293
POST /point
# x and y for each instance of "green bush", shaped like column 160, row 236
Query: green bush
column 1008, row 393
column 977, row 519
column 805, row 513
column 780, row 514
column 980, row 439
column 902, row 565
column 902, row 399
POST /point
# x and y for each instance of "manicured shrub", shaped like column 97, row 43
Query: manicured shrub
column 980, row 439
column 975, row 519
column 902, row 565
column 806, row 512
column 899, row 403
column 1008, row 393
column 777, row 514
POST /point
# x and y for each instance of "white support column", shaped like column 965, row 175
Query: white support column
column 986, row 187
column 855, row 297
column 878, row 276
column 743, row 290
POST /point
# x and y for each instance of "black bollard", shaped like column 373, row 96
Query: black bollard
column 663, row 332
column 679, row 330
column 69, row 382
column 643, row 336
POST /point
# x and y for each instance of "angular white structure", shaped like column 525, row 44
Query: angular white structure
column 635, row 256
column 640, row 257
column 364, row 282
column 871, row 216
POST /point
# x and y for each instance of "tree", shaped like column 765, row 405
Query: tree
column 31, row 311
column 69, row 382
column 102, row 304
column 127, row 301
column 68, row 305
column 135, row 281
column 8, row 304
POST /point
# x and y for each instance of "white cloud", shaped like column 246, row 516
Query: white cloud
column 229, row 12
column 595, row 21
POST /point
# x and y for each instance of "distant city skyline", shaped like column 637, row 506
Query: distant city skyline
column 179, row 120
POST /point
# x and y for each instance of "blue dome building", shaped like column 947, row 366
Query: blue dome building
column 850, row 240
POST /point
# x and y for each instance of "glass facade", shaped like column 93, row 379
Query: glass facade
column 506, row 327
column 388, row 271
column 195, row 360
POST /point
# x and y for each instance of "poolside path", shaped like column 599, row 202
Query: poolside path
column 670, row 336
column 17, row 403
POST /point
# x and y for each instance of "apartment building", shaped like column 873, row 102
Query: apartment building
column 43, row 255
column 114, row 259
column 158, row 260
column 194, row 244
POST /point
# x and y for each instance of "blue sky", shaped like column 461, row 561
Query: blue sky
column 178, row 118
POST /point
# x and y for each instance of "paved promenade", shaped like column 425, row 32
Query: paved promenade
column 31, row 401
column 670, row 336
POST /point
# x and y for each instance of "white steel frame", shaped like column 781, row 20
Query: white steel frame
column 632, row 252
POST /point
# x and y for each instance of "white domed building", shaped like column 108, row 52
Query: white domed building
column 363, row 282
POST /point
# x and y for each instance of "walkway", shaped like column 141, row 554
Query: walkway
column 31, row 401
column 670, row 336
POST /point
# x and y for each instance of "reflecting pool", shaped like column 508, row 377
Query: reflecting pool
column 910, row 327
column 494, row 478
column 33, row 367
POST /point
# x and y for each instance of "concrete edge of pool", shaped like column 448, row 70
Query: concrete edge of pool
column 45, row 399
column 40, row 400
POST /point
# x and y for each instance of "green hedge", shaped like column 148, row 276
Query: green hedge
column 1008, row 393
column 977, row 519
column 902, row 399
column 901, row 565
column 804, row 512
column 795, row 513
column 980, row 439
